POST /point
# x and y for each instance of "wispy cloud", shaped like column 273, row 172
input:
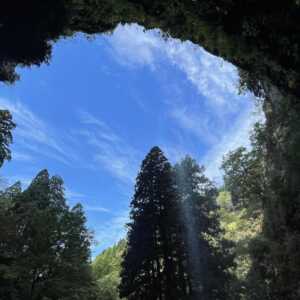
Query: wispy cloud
column 25, row 157
column 70, row 194
column 174, row 153
column 214, row 78
column 75, row 197
column 103, row 130
column 110, row 151
column 112, row 231
column 29, row 125
column 35, row 137
column 33, row 133
column 96, row 209
column 197, row 123
column 237, row 136
column 24, row 179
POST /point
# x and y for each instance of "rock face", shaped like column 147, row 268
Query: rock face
column 282, row 209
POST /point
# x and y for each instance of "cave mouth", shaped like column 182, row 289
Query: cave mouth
column 262, row 41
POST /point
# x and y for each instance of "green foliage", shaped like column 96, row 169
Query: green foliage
column 242, row 218
column 240, row 228
column 245, row 175
column 208, row 256
column 6, row 127
column 44, row 244
column 106, row 269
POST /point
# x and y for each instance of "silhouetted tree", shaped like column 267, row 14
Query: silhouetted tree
column 150, row 268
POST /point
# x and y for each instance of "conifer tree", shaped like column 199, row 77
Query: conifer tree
column 150, row 269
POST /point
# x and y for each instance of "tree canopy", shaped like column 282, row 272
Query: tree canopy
column 107, row 268
column 45, row 245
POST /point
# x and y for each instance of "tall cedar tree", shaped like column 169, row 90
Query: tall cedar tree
column 207, row 254
column 45, row 249
column 150, row 269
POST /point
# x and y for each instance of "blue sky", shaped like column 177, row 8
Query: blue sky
column 94, row 112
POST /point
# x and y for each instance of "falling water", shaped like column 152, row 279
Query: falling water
column 192, row 242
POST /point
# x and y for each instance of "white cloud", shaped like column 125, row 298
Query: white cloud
column 29, row 125
column 197, row 123
column 174, row 153
column 112, row 231
column 70, row 194
column 38, row 138
column 109, row 150
column 24, row 179
column 25, row 157
column 73, row 196
column 133, row 46
column 96, row 209
column 33, row 133
column 213, row 77
column 237, row 136
column 103, row 130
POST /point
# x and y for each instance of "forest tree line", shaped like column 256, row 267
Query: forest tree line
column 187, row 239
